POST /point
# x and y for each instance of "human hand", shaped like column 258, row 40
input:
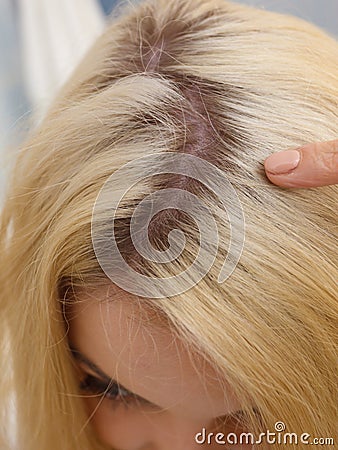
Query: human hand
column 312, row 165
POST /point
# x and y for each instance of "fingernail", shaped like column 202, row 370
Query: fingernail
column 282, row 162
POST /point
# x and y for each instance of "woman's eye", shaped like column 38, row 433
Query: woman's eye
column 113, row 391
column 95, row 386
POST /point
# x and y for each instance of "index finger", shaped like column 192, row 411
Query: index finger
column 312, row 165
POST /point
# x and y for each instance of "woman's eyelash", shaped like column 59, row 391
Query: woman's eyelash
column 113, row 391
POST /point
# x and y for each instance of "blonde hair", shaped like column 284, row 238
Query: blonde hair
column 229, row 84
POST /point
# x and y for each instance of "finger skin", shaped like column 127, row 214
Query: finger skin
column 318, row 166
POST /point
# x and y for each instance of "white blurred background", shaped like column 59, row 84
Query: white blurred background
column 42, row 40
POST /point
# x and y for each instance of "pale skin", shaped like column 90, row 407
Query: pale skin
column 137, row 349
column 313, row 165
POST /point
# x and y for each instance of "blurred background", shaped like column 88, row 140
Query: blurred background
column 41, row 41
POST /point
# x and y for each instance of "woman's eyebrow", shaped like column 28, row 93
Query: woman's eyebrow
column 90, row 364
column 104, row 377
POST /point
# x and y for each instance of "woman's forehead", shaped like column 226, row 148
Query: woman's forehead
column 145, row 356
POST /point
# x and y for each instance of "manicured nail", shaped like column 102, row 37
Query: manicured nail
column 282, row 162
